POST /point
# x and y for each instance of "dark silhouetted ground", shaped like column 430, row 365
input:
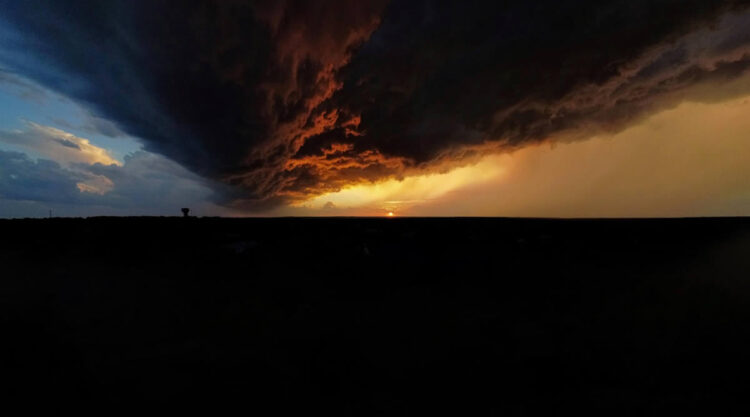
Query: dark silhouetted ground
column 359, row 317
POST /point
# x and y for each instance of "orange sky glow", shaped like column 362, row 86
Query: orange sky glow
column 692, row 160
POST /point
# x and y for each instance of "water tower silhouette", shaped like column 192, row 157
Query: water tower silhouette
column 185, row 212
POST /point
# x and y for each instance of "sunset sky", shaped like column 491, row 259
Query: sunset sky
column 342, row 108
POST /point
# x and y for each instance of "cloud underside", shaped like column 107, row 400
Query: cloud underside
column 287, row 100
column 692, row 160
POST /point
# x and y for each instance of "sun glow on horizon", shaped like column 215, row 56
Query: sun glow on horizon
column 685, row 161
column 393, row 194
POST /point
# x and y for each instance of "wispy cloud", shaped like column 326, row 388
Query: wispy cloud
column 58, row 145
column 145, row 184
column 60, row 169
column 21, row 87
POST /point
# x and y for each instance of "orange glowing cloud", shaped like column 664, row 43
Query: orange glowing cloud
column 693, row 160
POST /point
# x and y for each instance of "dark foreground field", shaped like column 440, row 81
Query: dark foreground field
column 376, row 316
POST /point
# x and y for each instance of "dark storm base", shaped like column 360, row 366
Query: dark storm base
column 377, row 316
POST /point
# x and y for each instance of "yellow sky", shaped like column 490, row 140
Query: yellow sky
column 692, row 160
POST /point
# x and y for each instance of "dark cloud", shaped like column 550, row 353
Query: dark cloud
column 22, row 178
column 92, row 125
column 438, row 75
column 67, row 143
column 287, row 99
column 149, row 180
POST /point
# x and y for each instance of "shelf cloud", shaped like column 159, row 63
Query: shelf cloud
column 282, row 101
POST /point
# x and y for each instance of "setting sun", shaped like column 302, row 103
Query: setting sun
column 390, row 214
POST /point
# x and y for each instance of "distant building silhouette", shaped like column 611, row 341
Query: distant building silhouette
column 185, row 212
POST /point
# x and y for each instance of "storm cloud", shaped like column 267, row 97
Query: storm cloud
column 284, row 100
